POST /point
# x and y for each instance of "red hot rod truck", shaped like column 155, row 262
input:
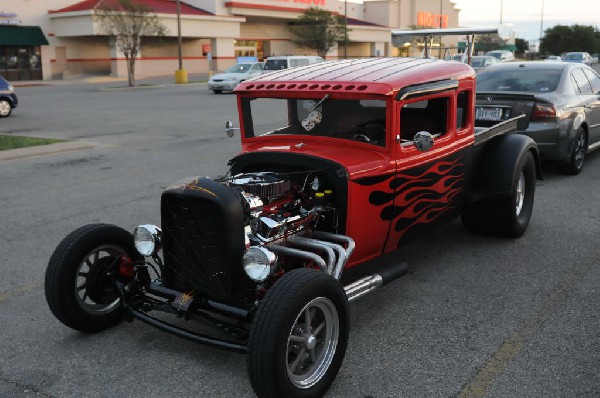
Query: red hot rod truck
column 341, row 162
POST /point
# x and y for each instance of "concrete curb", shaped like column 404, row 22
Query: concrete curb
column 45, row 150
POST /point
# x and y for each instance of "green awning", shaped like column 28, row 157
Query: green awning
column 510, row 47
column 12, row 35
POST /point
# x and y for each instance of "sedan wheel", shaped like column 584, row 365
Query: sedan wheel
column 5, row 108
column 575, row 164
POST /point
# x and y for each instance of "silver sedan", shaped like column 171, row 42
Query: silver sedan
column 560, row 101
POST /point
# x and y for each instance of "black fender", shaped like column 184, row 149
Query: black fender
column 494, row 169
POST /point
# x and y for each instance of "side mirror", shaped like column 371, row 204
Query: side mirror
column 229, row 129
column 423, row 141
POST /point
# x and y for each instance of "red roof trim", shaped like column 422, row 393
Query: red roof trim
column 159, row 7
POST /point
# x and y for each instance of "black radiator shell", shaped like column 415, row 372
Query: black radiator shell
column 203, row 240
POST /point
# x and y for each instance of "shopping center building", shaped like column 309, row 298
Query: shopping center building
column 66, row 41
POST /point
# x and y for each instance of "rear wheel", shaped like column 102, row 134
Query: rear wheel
column 509, row 216
column 299, row 336
column 5, row 108
column 575, row 163
column 79, row 283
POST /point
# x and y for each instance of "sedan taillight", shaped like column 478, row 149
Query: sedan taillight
column 543, row 111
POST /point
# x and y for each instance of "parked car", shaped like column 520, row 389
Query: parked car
column 352, row 161
column 501, row 55
column 553, row 58
column 481, row 61
column 8, row 98
column 461, row 57
column 580, row 57
column 290, row 61
column 560, row 101
column 233, row 76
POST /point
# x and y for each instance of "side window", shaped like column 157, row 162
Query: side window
column 463, row 109
column 293, row 63
column 594, row 80
column 581, row 82
column 255, row 68
column 302, row 62
column 429, row 115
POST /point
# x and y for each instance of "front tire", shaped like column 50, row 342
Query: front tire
column 575, row 163
column 79, row 283
column 217, row 91
column 299, row 336
column 5, row 108
column 507, row 217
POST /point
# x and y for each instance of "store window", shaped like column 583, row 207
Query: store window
column 20, row 62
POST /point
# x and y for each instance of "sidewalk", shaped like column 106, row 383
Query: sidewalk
column 102, row 79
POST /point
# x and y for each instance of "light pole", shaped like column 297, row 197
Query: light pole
column 345, row 29
column 180, row 74
column 542, row 22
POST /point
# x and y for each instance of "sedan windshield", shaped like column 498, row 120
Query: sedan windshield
column 527, row 80
column 238, row 68
column 574, row 56
column 358, row 120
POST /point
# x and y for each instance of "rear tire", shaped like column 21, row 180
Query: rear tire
column 506, row 217
column 299, row 336
column 79, row 284
column 575, row 163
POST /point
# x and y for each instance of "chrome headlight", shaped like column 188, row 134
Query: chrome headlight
column 147, row 239
column 259, row 263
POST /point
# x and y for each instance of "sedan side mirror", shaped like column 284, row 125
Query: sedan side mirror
column 229, row 129
column 423, row 141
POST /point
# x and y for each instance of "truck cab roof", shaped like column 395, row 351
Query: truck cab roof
column 357, row 76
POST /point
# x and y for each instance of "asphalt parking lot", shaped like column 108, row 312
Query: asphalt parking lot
column 475, row 316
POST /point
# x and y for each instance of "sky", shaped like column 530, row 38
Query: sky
column 526, row 15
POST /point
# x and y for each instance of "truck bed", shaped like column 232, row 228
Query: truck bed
column 484, row 134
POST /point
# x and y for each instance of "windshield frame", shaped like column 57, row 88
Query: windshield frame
column 326, row 99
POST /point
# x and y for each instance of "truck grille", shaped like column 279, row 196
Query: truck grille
column 193, row 247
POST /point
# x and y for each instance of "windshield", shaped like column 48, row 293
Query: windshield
column 238, row 68
column 275, row 64
column 527, row 80
column 477, row 61
column 574, row 56
column 358, row 120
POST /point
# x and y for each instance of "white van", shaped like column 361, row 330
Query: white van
column 289, row 61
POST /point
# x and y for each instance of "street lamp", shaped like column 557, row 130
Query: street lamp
column 180, row 74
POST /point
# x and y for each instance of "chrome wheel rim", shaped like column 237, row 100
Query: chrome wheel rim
column 312, row 342
column 579, row 152
column 4, row 108
column 82, row 284
column 520, row 194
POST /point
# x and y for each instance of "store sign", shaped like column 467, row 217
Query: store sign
column 9, row 18
column 307, row 2
column 430, row 19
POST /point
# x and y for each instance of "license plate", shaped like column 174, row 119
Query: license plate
column 488, row 114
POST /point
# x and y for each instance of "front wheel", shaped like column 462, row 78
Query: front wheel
column 299, row 337
column 5, row 108
column 217, row 91
column 79, row 283
column 509, row 216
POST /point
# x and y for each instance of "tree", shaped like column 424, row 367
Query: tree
column 128, row 21
column 562, row 38
column 319, row 30
column 490, row 42
column 522, row 45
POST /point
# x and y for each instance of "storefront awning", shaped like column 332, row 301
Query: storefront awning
column 11, row 35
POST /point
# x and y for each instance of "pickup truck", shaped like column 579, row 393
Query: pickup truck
column 341, row 162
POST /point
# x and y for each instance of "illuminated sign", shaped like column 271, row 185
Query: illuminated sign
column 433, row 20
